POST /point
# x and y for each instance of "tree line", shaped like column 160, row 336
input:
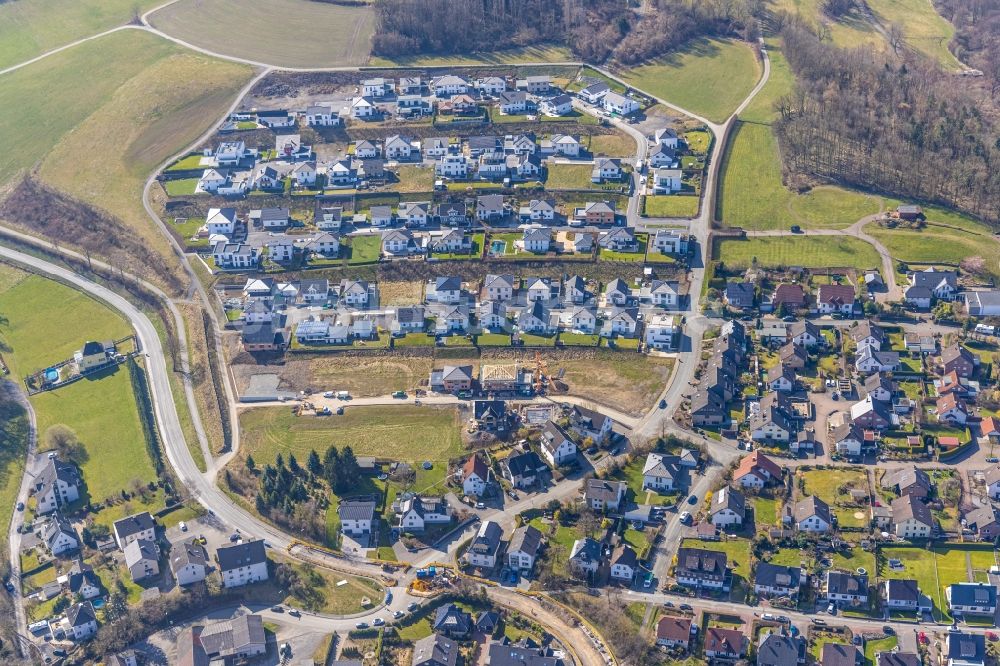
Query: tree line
column 889, row 123
column 595, row 30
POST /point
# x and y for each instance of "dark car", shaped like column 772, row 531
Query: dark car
column 693, row 499
column 663, row 404
column 887, row 630
column 796, row 229
column 685, row 607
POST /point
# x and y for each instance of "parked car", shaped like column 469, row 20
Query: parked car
column 693, row 499
column 294, row 613
column 277, row 609
column 20, row 506
column 480, row 505
column 399, row 394
column 685, row 517
column 663, row 404
column 378, row 622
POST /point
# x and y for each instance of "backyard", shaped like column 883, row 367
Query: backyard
column 805, row 251
column 834, row 487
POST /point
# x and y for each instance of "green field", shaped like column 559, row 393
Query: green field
column 568, row 176
column 938, row 244
column 806, row 251
column 752, row 195
column 612, row 145
column 781, row 82
column 528, row 54
column 710, row 78
column 31, row 27
column 671, row 205
column 289, row 33
column 398, row 432
column 924, row 30
column 850, row 31
column 365, row 249
column 48, row 322
column 827, row 484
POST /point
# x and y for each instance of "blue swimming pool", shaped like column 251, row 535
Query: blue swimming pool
column 51, row 375
column 498, row 247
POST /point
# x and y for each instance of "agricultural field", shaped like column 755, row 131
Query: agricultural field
column 545, row 53
column 806, row 251
column 386, row 432
column 924, row 30
column 939, row 243
column 307, row 34
column 710, row 78
column 48, row 322
column 763, row 202
column 27, row 28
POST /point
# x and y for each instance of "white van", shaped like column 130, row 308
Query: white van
column 343, row 395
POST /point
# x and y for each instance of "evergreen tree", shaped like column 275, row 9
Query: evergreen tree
column 251, row 465
column 314, row 465
column 279, row 462
column 293, row 464
column 331, row 467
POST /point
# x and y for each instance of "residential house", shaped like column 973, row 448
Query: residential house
column 619, row 104
column 357, row 517
column 985, row 522
column 57, row 484
column 594, row 92
column 492, row 315
column 490, row 207
column 536, row 84
column 665, row 294
column 839, row 654
column 894, row 658
column 398, row 243
column 982, row 303
column 930, row 284
column 242, row 563
column 667, row 181
column 869, row 359
column 812, row 515
column 524, row 547
column 451, row 378
column 952, row 410
column 804, row 333
column 700, row 568
column 605, row 169
column 773, row 422
column 565, row 145
column 846, row 589
column 231, row 153
column 409, row 85
column 376, row 87
column 662, row 331
column 491, row 85
column 848, row 439
column 724, row 644
column 901, row 595
column 880, row 387
column 414, row 213
column 81, row 580
column 452, row 621
column 536, row 240
column 355, row 292
column 992, row 478
column 908, row 481
column 280, row 250
column 598, row 213
column 398, row 147
column 234, row 641
column 673, row 632
column 621, row 322
column 523, row 470
column 624, row 564
column 604, row 495
column 660, row 472
column 756, row 471
column 556, row 445
column 556, row 106
column 585, row 556
column 775, row 648
column 188, row 562
column 728, row 508
column 476, row 476
column 449, row 84
column 959, row 360
column 416, row 513
column 871, row 414
column 235, row 255
column 790, row 296
column 793, row 356
column 911, row 518
column 321, row 115
column 80, row 622
column 670, row 241
column 781, row 378
column 835, row 298
column 538, row 210
column 962, row 649
column 142, row 559
column 58, row 535
column 535, row 319
column 363, row 107
column 289, row 147
column 618, row 239
column 435, row 650
column 739, row 295
column 131, row 528
column 972, row 598
column 662, row 157
column 221, row 221
column 617, row 293
column 589, row 423
column 485, row 547
column 777, row 580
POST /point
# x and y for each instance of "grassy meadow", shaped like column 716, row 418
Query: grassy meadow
column 47, row 323
column 710, row 78
column 287, row 33
column 528, row 54
column 924, row 30
column 28, row 27
column 806, row 251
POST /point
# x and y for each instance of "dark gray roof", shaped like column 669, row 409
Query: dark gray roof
column 185, row 553
column 526, row 539
column 776, row 575
column 233, row 637
column 980, row 595
column 966, row 647
column 778, row 650
column 130, row 525
column 898, row 659
column 487, row 540
column 902, row 590
column 525, row 464
column 452, row 619
column 812, row 505
column 356, row 510
column 241, row 555
column 80, row 614
column 838, row 654
column 841, row 582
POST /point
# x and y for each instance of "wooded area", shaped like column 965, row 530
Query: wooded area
column 888, row 123
column 596, row 30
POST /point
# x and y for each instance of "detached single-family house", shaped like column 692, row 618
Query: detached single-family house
column 188, row 562
column 132, row 528
column 777, row 580
column 604, row 495
column 58, row 484
column 142, row 559
column 556, row 446
column 835, row 298
column 605, row 169
column 416, row 513
column 667, row 181
column 846, row 589
column 972, row 598
column 524, row 547
column 728, row 508
column 619, row 104
column 673, row 632
column 812, row 515
column 242, row 563
column 624, row 563
column 321, row 115
column 485, row 546
column 911, row 518
column 959, row 360
column 593, row 93
column 524, row 470
column 80, row 621
column 724, row 644
column 357, row 517
column 901, row 595
column 536, row 240
column 475, row 476
column 558, row 105
column 585, row 557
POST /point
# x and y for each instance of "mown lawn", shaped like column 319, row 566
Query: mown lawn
column 737, row 552
column 568, row 176
column 752, row 196
column 180, row 187
column 612, row 145
column 671, row 205
column 399, row 432
column 365, row 249
column 806, row 251
column 710, row 77
column 827, row 484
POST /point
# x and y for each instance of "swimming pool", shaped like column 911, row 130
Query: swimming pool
column 498, row 248
column 51, row 375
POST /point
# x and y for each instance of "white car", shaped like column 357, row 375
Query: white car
column 183, row 526
column 328, row 394
column 685, row 517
